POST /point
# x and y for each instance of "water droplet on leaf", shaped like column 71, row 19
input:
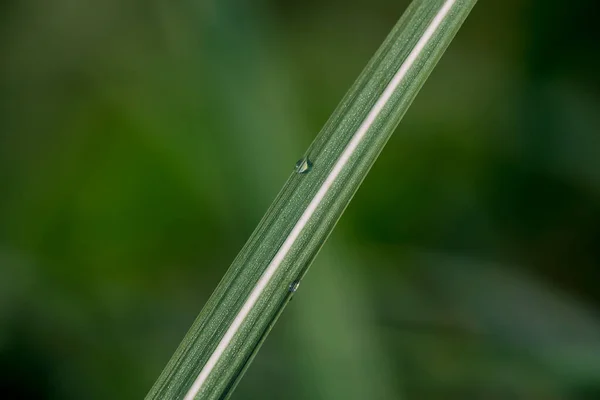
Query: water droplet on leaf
column 304, row 165
column 294, row 286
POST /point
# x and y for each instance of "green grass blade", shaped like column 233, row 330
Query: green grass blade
column 236, row 319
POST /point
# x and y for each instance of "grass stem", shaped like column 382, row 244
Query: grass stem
column 265, row 275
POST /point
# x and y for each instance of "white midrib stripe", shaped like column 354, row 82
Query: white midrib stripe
column 335, row 172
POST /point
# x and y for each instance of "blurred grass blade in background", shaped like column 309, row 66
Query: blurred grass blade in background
column 236, row 319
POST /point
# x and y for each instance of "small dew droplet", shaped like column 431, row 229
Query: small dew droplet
column 304, row 165
column 294, row 286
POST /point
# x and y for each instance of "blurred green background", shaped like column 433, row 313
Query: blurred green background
column 142, row 141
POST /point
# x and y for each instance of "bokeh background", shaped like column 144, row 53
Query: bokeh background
column 141, row 142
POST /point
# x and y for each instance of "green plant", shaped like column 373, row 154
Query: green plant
column 262, row 279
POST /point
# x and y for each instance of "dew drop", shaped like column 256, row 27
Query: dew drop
column 294, row 286
column 304, row 165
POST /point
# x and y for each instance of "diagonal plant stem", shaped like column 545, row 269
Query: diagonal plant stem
column 262, row 279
